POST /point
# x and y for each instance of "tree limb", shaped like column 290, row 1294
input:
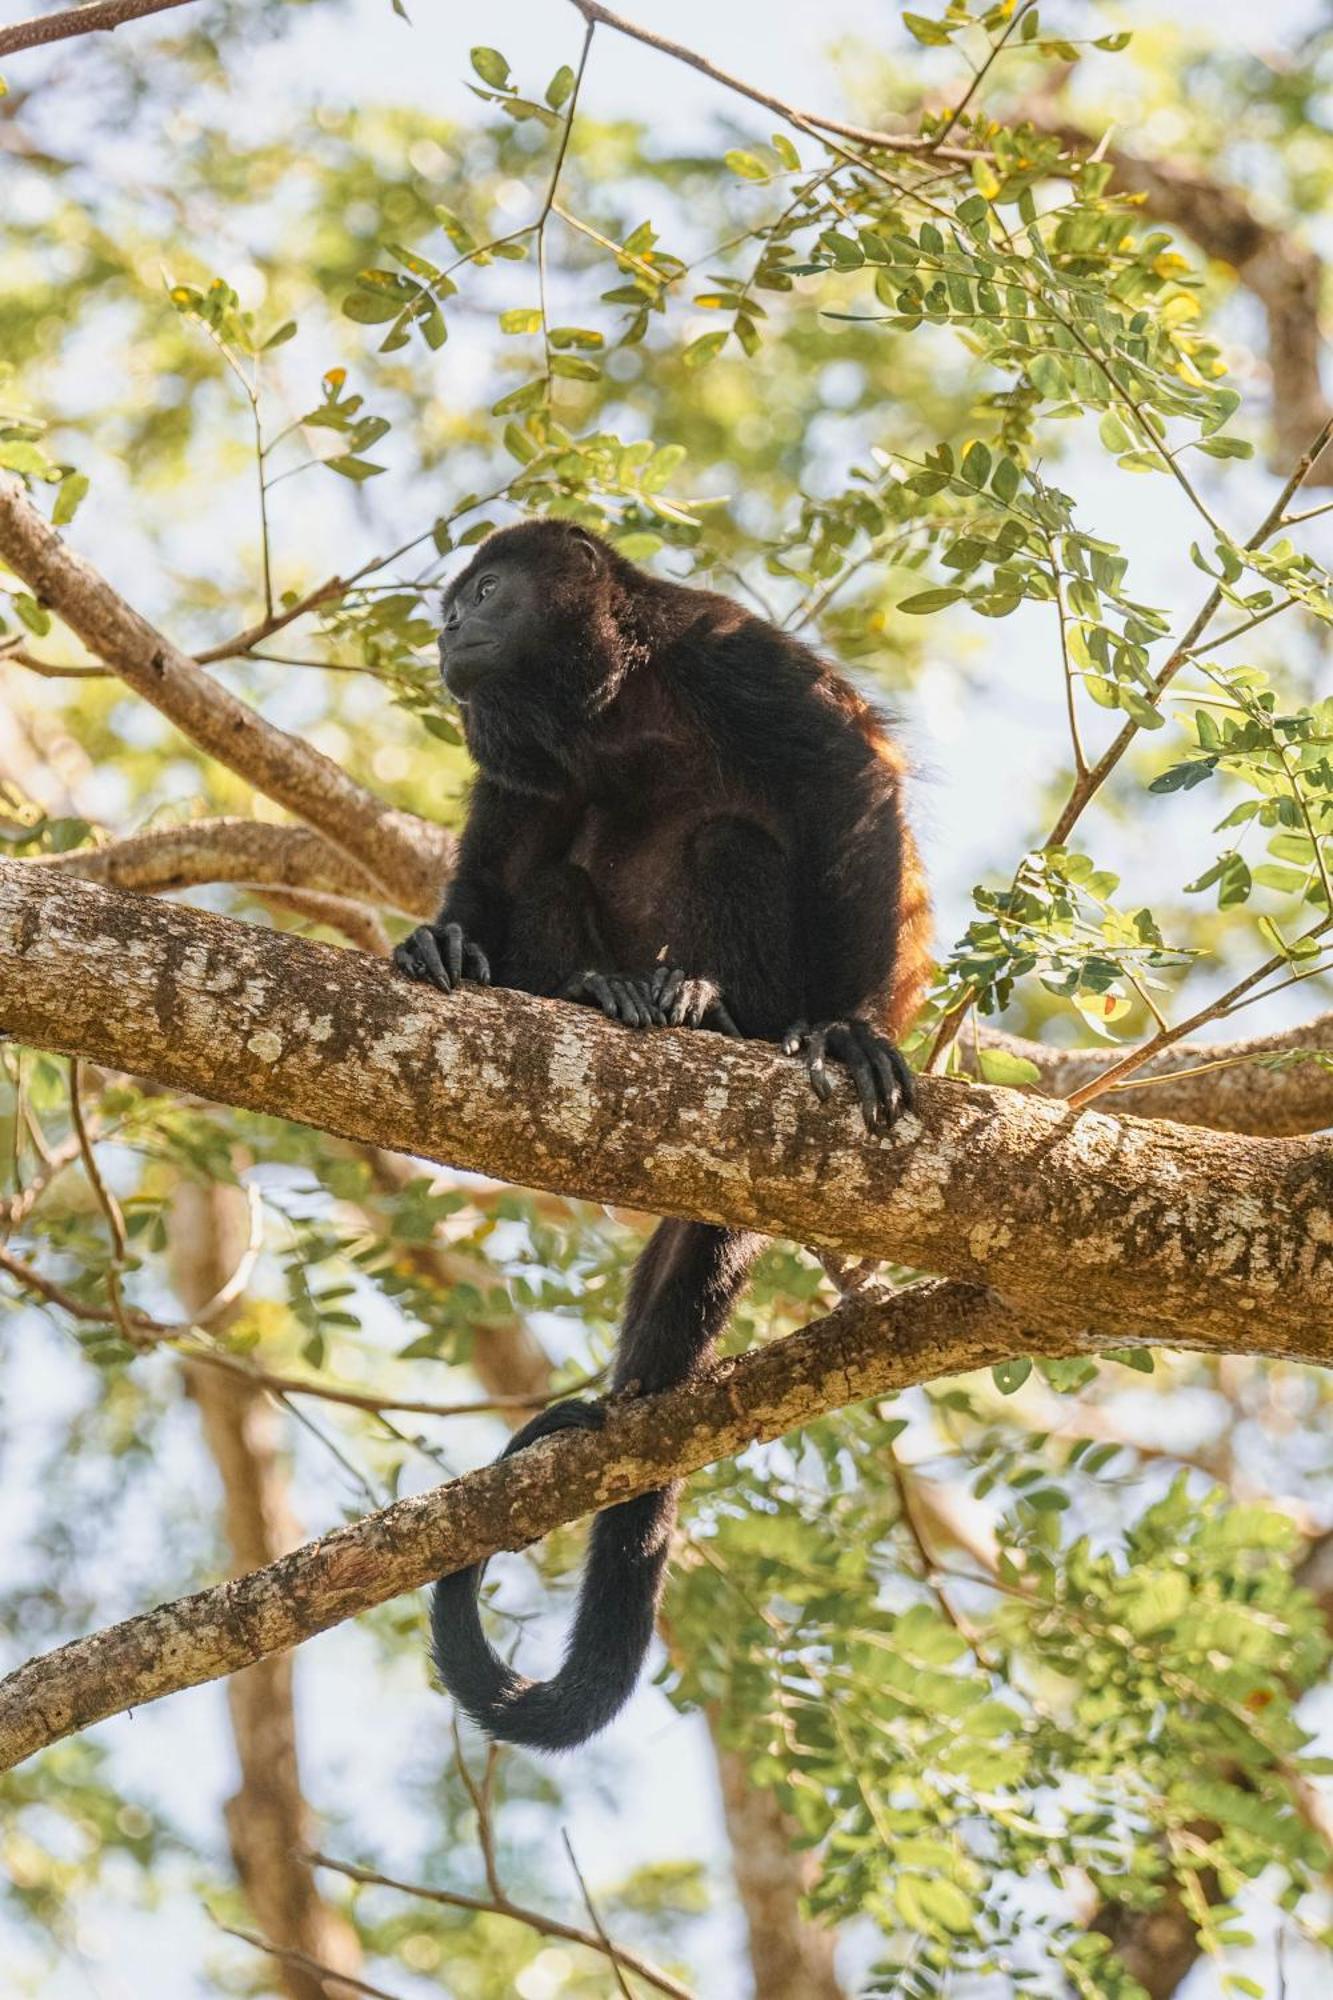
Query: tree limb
column 100, row 16
column 1168, row 1232
column 224, row 850
column 860, row 1350
column 1217, row 1084
column 407, row 855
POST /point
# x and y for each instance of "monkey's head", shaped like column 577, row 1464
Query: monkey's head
column 539, row 635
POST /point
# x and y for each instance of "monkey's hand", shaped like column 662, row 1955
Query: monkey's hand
column 622, row 996
column 884, row 1083
column 690, row 1003
column 442, row 956
column 665, row 998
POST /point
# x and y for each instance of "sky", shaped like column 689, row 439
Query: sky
column 966, row 808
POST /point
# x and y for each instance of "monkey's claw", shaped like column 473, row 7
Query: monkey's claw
column 441, row 955
column 683, row 1002
column 885, row 1086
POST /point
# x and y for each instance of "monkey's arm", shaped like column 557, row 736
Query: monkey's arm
column 467, row 939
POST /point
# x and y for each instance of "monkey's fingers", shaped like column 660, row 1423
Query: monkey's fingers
column 897, row 1084
column 845, row 1046
column 816, row 1047
column 721, row 1022
column 476, row 964
column 620, row 998
column 419, row 957
column 637, row 1009
column 451, row 937
column 795, row 1038
column 667, row 983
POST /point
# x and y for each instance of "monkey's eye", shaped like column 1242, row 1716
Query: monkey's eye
column 486, row 586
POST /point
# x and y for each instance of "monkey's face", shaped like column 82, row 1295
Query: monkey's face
column 530, row 650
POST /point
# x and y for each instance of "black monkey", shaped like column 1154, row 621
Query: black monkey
column 685, row 818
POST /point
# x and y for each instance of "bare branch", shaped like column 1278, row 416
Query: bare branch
column 100, row 16
column 221, row 850
column 405, row 854
column 535, row 1920
column 857, row 1352
column 885, row 142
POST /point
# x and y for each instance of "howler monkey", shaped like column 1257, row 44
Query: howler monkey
column 685, row 818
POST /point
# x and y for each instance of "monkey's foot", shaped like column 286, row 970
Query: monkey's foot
column 441, row 955
column 885, row 1085
column 690, row 1003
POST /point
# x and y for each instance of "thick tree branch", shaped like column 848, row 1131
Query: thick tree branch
column 98, row 17
column 1167, row 1232
column 405, row 854
column 858, row 1351
column 224, row 850
column 1220, row 1085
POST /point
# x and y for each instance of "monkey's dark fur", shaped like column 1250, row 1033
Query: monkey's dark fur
column 685, row 818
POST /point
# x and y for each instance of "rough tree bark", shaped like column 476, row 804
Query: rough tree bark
column 1167, row 1232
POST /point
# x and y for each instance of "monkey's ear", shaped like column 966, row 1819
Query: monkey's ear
column 588, row 547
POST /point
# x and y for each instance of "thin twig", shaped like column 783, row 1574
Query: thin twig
column 997, row 49
column 886, row 142
column 108, row 1204
column 101, row 16
column 328, row 1975
column 454, row 1899
column 597, row 1923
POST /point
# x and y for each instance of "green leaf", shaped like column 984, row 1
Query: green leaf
column 370, row 308
column 705, row 349
column 69, row 496
column 1226, row 447
column 748, row 165
column 558, row 89
column 929, row 32
column 352, row 467
column 32, row 614
column 18, row 455
column 1011, row 1375
column 1113, row 433
column 491, row 67
column 1004, row 1067
column 926, row 601
column 521, row 319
